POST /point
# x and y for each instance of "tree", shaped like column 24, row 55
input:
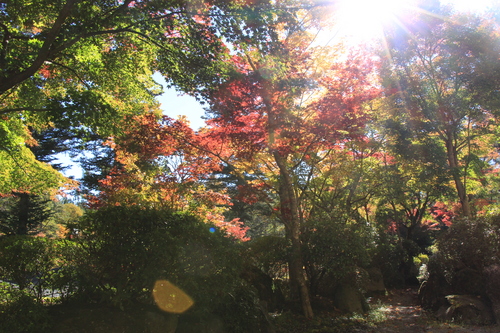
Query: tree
column 160, row 164
column 270, row 129
column 84, row 66
column 415, row 174
column 24, row 213
column 21, row 172
column 337, row 231
column 432, row 73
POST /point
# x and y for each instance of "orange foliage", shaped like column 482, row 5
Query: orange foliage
column 161, row 162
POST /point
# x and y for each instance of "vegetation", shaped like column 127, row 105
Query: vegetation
column 325, row 173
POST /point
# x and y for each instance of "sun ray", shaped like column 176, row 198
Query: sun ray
column 362, row 21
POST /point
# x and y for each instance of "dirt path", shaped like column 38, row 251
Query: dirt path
column 401, row 313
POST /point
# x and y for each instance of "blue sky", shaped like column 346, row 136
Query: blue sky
column 173, row 104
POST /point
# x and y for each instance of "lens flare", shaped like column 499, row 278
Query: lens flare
column 170, row 298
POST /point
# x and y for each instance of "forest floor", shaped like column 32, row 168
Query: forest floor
column 398, row 311
column 395, row 312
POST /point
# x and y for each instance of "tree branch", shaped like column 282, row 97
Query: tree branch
column 5, row 111
column 43, row 53
column 71, row 70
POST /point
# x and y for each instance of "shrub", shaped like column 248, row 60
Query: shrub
column 41, row 265
column 21, row 312
column 465, row 251
column 334, row 251
column 127, row 249
column 470, row 244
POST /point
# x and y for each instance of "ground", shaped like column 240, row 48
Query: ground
column 400, row 312
column 395, row 312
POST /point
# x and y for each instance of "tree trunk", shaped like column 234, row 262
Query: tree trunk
column 290, row 217
column 23, row 214
column 288, row 209
column 455, row 171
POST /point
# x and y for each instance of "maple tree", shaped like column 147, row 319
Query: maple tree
column 84, row 66
column 273, row 131
column 159, row 164
column 21, row 171
column 432, row 74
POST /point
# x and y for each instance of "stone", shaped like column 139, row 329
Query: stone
column 466, row 309
column 432, row 292
column 375, row 282
column 349, row 299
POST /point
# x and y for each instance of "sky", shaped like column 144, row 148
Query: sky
column 174, row 103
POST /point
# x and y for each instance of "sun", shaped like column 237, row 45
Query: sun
column 362, row 20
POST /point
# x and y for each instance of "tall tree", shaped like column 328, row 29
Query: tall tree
column 432, row 72
column 22, row 213
column 271, row 121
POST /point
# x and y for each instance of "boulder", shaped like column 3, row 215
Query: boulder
column 374, row 284
column 466, row 309
column 349, row 299
column 432, row 292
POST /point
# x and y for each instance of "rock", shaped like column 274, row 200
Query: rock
column 375, row 282
column 349, row 299
column 466, row 309
column 432, row 292
column 492, row 287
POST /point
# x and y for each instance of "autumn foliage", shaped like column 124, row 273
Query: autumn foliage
column 160, row 162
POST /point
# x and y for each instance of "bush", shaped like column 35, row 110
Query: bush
column 127, row 249
column 21, row 312
column 41, row 265
column 268, row 253
column 470, row 244
column 334, row 251
column 465, row 251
